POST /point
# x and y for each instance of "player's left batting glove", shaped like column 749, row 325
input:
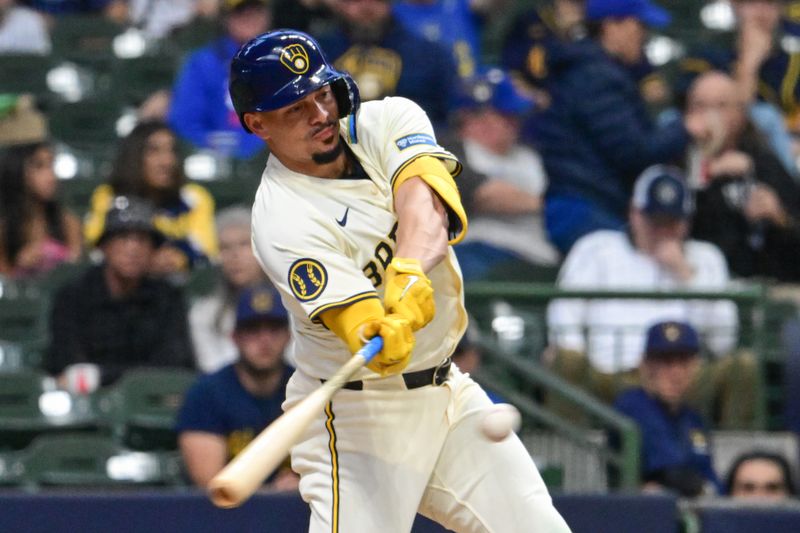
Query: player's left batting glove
column 398, row 343
column 409, row 292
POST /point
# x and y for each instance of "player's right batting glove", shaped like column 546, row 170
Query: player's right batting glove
column 398, row 342
column 409, row 292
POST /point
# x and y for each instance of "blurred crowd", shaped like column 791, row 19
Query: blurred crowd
column 590, row 161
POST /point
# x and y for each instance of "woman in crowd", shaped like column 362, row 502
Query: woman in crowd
column 36, row 231
column 147, row 165
column 211, row 318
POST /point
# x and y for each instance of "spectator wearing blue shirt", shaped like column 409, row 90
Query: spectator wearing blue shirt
column 201, row 111
column 597, row 137
column 386, row 59
column 676, row 452
column 224, row 411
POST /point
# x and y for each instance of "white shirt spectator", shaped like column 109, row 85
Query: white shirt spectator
column 211, row 326
column 23, row 31
column 615, row 328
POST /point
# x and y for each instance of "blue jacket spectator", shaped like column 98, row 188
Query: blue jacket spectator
column 201, row 111
column 224, row 411
column 453, row 23
column 384, row 58
column 597, row 136
column 675, row 446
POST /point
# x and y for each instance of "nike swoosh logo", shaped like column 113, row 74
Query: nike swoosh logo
column 411, row 280
column 343, row 222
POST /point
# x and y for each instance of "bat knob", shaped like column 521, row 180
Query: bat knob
column 221, row 495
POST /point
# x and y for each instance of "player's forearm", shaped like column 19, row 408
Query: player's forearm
column 422, row 224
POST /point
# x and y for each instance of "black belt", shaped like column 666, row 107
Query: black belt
column 414, row 380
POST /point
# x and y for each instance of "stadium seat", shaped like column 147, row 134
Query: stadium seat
column 29, row 406
column 88, row 124
column 141, row 407
column 81, row 459
column 135, row 79
column 22, row 318
column 24, row 73
column 85, row 39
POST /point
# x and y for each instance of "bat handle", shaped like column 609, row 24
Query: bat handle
column 371, row 349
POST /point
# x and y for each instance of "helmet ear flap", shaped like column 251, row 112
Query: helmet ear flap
column 345, row 91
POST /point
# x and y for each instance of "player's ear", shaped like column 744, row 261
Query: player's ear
column 256, row 124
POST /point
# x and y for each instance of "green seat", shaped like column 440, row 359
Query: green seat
column 137, row 78
column 81, row 459
column 24, row 73
column 88, row 124
column 141, row 407
column 22, row 318
column 85, row 39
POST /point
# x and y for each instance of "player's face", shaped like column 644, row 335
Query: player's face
column 159, row 160
column 304, row 134
column 261, row 345
column 239, row 265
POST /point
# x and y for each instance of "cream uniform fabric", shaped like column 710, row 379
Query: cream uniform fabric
column 375, row 457
column 318, row 263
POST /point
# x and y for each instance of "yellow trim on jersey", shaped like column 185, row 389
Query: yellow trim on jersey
column 346, row 322
column 790, row 82
column 95, row 219
column 433, row 172
column 315, row 314
column 438, row 155
column 334, row 468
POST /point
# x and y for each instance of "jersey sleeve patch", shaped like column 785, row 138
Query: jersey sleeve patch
column 307, row 279
column 414, row 139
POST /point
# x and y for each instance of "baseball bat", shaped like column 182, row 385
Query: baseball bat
column 248, row 470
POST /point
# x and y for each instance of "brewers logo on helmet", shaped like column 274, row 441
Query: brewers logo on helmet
column 280, row 67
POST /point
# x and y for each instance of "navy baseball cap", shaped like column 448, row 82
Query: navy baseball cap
column 130, row 213
column 662, row 190
column 791, row 18
column 494, row 88
column 649, row 13
column 671, row 338
column 260, row 303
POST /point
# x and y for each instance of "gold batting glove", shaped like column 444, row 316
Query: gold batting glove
column 398, row 342
column 409, row 292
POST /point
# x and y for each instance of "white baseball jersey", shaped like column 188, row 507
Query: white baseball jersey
column 326, row 243
column 616, row 328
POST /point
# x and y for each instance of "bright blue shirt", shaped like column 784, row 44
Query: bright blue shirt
column 218, row 403
column 668, row 440
column 201, row 105
column 450, row 22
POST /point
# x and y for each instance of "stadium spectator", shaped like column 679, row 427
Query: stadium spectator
column 22, row 30
column 113, row 315
column 456, row 24
column 211, row 318
column 598, row 342
column 676, row 452
column 158, row 18
column 383, row 57
column 36, row 232
column 506, row 228
column 200, row 108
column 747, row 203
column 596, row 136
column 223, row 411
column 147, row 165
column 760, row 475
column 113, row 9
column 763, row 70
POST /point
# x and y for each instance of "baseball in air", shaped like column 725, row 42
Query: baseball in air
column 499, row 421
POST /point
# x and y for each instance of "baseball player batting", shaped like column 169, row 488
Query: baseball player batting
column 353, row 222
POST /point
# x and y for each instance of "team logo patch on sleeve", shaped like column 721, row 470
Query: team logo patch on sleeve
column 307, row 278
column 413, row 140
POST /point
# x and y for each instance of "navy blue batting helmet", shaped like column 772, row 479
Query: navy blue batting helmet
column 282, row 66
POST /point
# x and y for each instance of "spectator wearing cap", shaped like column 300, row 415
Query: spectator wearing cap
column 506, row 230
column 598, row 342
column 115, row 316
column 676, row 452
column 596, row 137
column 201, row 111
column 225, row 410
column 747, row 203
column 383, row 57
